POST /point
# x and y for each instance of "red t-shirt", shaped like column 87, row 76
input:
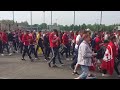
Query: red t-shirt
column 51, row 38
column 97, row 43
column 72, row 35
column 4, row 37
column 75, row 38
column 25, row 39
column 65, row 39
column 0, row 35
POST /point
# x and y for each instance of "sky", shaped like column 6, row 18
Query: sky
column 63, row 17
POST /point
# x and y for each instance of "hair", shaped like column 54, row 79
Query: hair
column 55, row 30
column 111, row 38
column 86, row 34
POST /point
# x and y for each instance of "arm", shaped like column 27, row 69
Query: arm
column 84, row 52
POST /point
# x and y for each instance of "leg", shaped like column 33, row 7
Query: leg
column 37, row 50
column 42, row 49
column 6, row 45
column 116, row 67
column 58, row 54
column 27, row 50
column 85, row 72
column 46, row 50
column 66, row 51
column 53, row 57
column 24, row 52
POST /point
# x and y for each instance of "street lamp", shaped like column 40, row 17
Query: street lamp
column 74, row 21
column 44, row 17
column 51, row 19
column 100, row 19
column 13, row 17
column 31, row 18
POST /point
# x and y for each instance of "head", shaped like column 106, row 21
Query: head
column 39, row 32
column 113, row 38
column 27, row 32
column 106, row 42
column 86, row 36
column 55, row 31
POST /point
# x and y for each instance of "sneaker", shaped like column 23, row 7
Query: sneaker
column 67, row 59
column 2, row 55
column 61, row 64
column 36, row 58
column 32, row 60
column 105, row 75
column 77, row 78
column 45, row 59
column 10, row 54
column 75, row 73
column 54, row 65
column 23, row 59
column 16, row 51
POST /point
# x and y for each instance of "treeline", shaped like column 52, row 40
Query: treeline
column 93, row 27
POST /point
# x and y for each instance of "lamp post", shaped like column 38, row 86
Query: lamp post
column 74, row 21
column 100, row 18
column 31, row 18
column 51, row 19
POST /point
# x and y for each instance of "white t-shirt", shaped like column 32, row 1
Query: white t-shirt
column 77, row 39
column 106, row 37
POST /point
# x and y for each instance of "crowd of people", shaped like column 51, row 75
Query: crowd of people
column 99, row 49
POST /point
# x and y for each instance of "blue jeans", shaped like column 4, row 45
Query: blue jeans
column 85, row 72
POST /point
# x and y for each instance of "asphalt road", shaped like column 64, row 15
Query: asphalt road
column 12, row 67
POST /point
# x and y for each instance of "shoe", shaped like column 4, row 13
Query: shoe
column 105, row 75
column 49, row 64
column 36, row 58
column 10, row 54
column 77, row 78
column 67, row 59
column 23, row 59
column 16, row 51
column 32, row 60
column 54, row 65
column 2, row 55
column 45, row 59
column 61, row 64
column 75, row 73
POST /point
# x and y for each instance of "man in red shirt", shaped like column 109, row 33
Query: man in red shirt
column 26, row 42
column 53, row 39
column 32, row 44
column 65, row 41
column 0, row 42
column 98, row 42
column 5, row 42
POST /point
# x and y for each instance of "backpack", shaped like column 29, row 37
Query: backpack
column 93, row 43
column 101, row 52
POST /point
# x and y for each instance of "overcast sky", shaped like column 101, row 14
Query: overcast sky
column 63, row 17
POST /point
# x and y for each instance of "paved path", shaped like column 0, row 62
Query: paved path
column 12, row 67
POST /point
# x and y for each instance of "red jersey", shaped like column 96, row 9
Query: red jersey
column 25, row 39
column 4, row 37
column 52, row 37
column 72, row 35
column 75, row 38
column 65, row 39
